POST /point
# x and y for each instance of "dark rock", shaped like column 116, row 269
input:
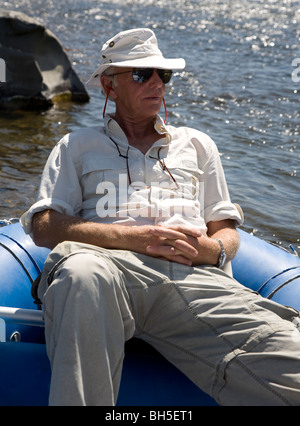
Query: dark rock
column 37, row 71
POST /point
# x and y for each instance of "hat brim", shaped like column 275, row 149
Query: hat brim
column 148, row 62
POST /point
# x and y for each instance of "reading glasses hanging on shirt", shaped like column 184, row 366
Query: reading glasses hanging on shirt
column 164, row 167
column 160, row 160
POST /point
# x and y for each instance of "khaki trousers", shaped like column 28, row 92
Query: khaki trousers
column 238, row 347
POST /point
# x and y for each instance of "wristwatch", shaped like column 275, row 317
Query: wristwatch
column 222, row 258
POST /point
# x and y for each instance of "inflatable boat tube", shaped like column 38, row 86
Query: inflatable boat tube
column 148, row 379
column 268, row 269
column 21, row 262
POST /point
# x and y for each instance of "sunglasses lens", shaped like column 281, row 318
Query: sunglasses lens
column 141, row 75
column 165, row 75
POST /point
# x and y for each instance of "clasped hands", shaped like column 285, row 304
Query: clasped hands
column 179, row 244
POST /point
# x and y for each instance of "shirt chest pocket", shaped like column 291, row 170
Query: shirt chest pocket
column 97, row 169
column 187, row 175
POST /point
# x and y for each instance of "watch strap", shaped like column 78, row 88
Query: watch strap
column 222, row 257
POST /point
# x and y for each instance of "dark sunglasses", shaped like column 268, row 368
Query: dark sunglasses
column 141, row 75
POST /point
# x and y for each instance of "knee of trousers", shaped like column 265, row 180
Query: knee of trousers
column 85, row 303
column 86, row 274
column 89, row 285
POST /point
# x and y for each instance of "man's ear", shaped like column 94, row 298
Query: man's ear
column 107, row 85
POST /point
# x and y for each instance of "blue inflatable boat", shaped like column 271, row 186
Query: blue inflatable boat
column 148, row 379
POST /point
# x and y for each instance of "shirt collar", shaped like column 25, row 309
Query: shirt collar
column 114, row 130
column 161, row 128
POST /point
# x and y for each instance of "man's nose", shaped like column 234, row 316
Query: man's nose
column 155, row 79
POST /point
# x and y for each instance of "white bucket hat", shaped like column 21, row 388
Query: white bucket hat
column 133, row 48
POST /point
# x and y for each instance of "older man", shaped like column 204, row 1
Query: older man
column 141, row 225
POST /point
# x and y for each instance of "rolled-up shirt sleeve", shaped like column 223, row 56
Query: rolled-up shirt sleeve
column 217, row 202
column 60, row 189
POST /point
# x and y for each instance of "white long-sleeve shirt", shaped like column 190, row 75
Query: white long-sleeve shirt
column 85, row 176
